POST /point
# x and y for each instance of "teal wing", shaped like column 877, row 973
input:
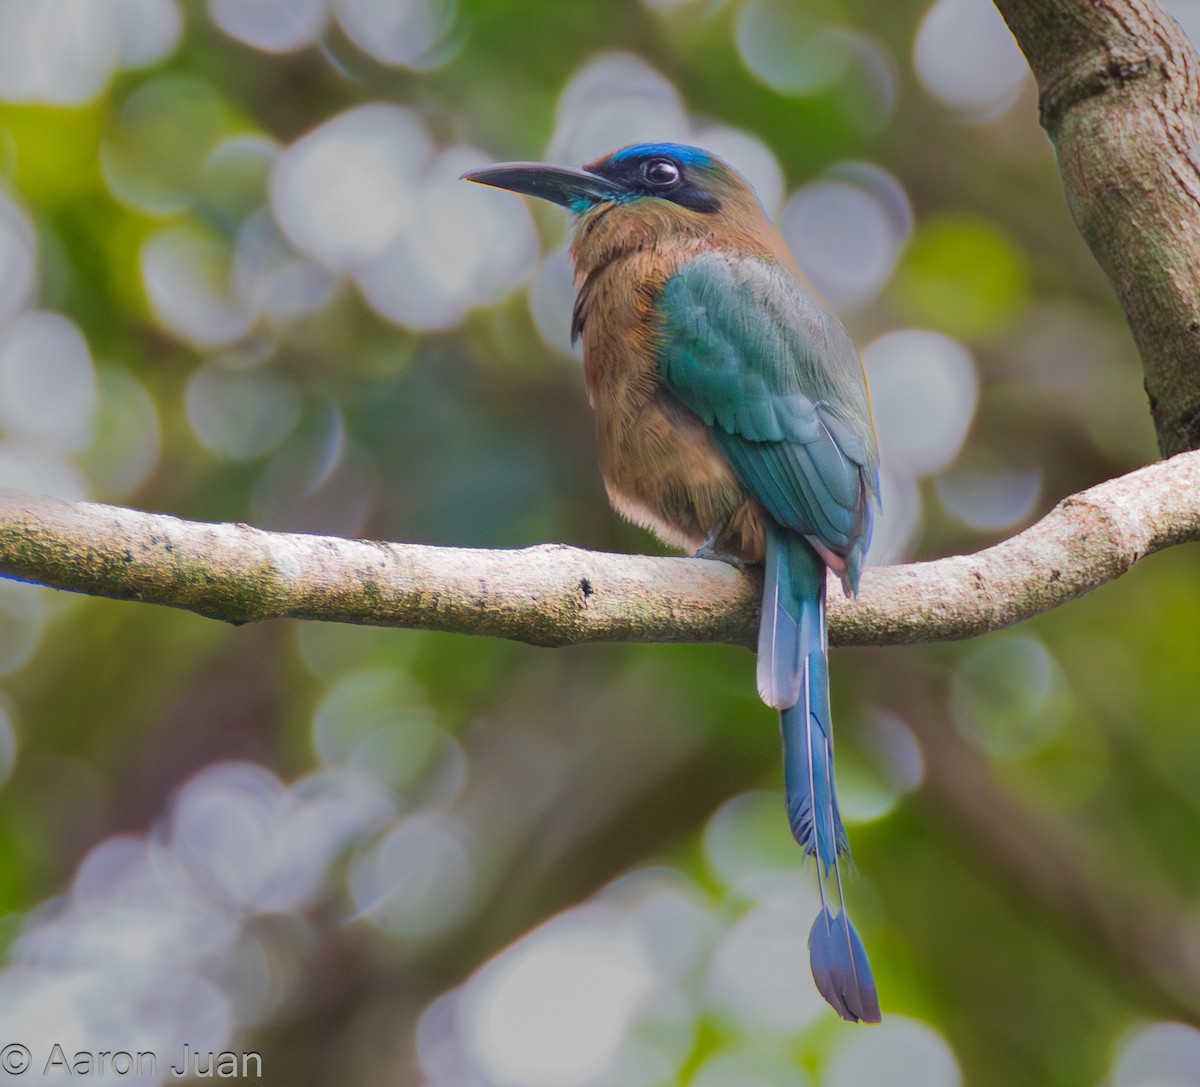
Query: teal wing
column 751, row 351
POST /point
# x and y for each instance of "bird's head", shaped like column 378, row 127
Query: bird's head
column 647, row 190
column 685, row 176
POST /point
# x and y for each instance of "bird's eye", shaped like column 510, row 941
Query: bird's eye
column 661, row 172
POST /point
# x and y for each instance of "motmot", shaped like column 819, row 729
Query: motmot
column 734, row 422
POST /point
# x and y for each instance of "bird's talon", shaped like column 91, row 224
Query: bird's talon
column 707, row 552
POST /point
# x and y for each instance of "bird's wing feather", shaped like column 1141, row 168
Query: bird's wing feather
column 747, row 347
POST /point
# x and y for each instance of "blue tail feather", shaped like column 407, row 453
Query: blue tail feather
column 780, row 671
column 808, row 774
column 793, row 674
column 840, row 968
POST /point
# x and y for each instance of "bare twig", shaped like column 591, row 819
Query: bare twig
column 554, row 595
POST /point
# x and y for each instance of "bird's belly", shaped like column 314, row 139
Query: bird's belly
column 663, row 471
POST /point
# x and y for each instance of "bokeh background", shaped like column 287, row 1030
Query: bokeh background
column 240, row 282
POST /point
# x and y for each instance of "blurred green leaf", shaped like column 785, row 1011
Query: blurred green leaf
column 961, row 275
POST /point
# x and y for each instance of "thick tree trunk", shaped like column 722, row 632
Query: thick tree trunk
column 1120, row 99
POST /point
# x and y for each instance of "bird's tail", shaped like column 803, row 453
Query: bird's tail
column 793, row 676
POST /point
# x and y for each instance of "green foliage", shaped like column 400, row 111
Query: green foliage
column 961, row 275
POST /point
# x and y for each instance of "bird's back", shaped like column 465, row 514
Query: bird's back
column 651, row 279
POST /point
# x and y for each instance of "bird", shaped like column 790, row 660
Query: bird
column 733, row 421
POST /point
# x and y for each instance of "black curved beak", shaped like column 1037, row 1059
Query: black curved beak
column 574, row 189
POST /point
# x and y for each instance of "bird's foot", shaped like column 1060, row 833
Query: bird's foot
column 709, row 553
column 708, row 550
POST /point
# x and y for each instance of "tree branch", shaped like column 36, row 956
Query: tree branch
column 556, row 595
column 1120, row 99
